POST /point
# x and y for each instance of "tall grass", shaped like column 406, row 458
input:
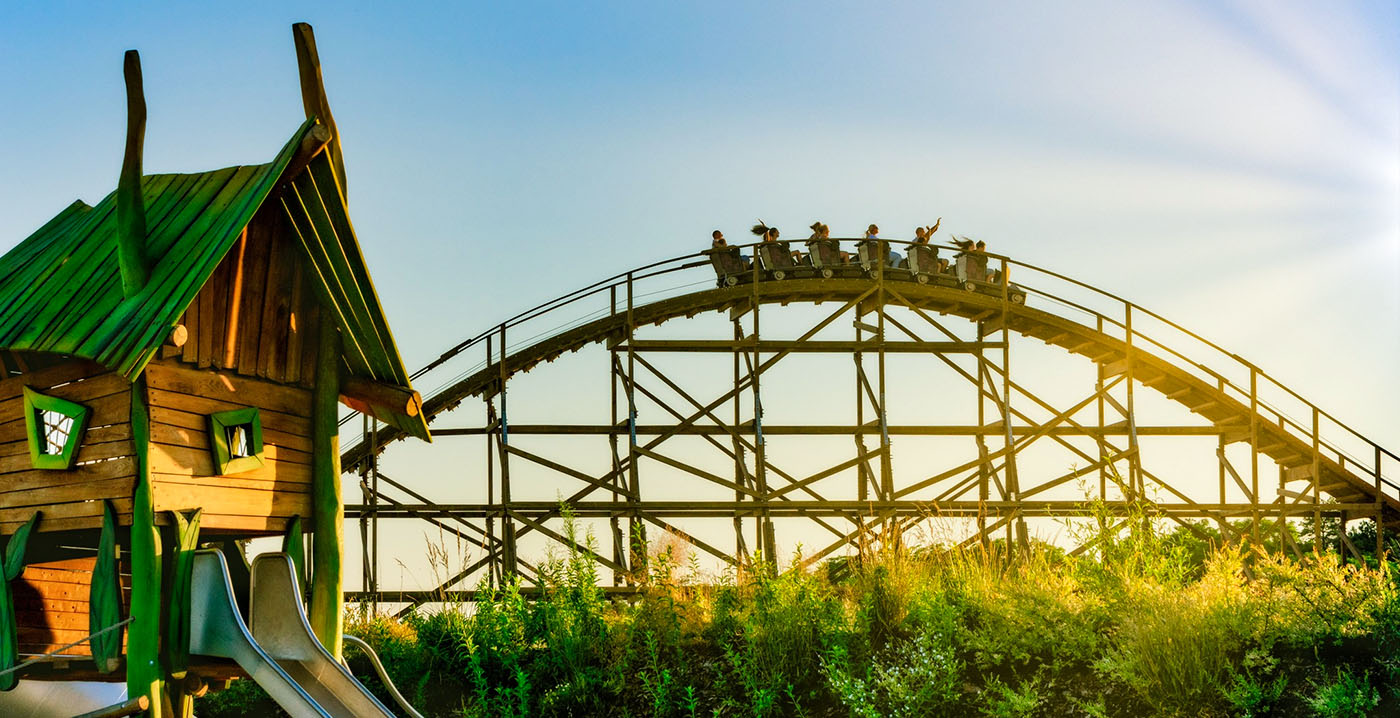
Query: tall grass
column 1148, row 621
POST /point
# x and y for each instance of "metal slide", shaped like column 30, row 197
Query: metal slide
column 280, row 653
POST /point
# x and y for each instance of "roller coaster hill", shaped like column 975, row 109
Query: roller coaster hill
column 751, row 406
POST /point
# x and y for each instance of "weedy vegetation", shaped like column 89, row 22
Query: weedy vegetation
column 1149, row 621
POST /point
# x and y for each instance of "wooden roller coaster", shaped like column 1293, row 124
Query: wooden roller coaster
column 1324, row 468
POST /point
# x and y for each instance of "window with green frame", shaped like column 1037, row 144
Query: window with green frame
column 55, row 429
column 235, row 438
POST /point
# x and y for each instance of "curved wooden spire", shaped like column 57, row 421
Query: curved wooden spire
column 131, row 207
column 313, row 93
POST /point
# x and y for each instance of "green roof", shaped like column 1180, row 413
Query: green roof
column 61, row 288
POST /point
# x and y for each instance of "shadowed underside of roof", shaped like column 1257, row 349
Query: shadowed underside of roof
column 61, row 288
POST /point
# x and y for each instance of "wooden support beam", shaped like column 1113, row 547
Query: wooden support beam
column 144, row 674
column 360, row 394
column 747, row 429
column 805, row 347
column 327, row 545
column 131, row 204
column 539, row 510
column 1298, row 473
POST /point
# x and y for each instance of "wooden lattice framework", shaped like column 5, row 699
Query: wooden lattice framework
column 1323, row 467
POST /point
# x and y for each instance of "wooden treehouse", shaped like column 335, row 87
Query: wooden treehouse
column 173, row 359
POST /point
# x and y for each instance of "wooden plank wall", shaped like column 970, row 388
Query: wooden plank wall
column 257, row 314
column 106, row 467
column 51, row 605
column 182, row 468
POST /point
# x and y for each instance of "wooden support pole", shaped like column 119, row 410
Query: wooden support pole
column 741, row 550
column 328, row 542
column 131, row 204
column 510, row 564
column 144, row 676
column 619, row 540
column 492, row 570
column 313, row 93
column 1254, row 451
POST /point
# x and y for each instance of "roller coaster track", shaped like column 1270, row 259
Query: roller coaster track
column 1238, row 400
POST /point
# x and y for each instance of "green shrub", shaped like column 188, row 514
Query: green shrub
column 918, row 677
column 1002, row 701
column 1347, row 697
column 1253, row 693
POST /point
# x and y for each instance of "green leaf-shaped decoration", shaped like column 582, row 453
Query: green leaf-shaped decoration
column 14, row 550
column 9, row 627
column 177, row 636
column 104, row 595
column 294, row 545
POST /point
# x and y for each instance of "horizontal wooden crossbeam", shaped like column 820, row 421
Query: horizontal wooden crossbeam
column 747, row 428
column 803, row 508
column 810, row 346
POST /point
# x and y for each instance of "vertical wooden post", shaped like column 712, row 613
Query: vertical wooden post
column 364, row 515
column 1102, row 443
column 374, row 513
column 131, row 205
column 509, row 561
column 765, row 537
column 492, row 567
column 1135, row 475
column 984, row 475
column 635, row 530
column 143, row 671
column 1254, row 452
column 328, row 543
column 1013, row 476
column 1317, row 482
column 863, row 478
column 1380, row 506
column 619, row 541
column 741, row 478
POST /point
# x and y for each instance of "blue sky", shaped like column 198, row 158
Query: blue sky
column 1235, row 166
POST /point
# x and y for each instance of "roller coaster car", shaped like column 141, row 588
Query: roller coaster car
column 873, row 253
column 973, row 276
column 730, row 267
column 923, row 265
column 776, row 258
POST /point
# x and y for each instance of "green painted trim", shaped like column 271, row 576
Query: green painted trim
column 34, row 402
column 143, row 671
column 219, row 424
column 294, row 545
column 104, row 595
column 9, row 626
column 328, row 538
column 182, row 539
